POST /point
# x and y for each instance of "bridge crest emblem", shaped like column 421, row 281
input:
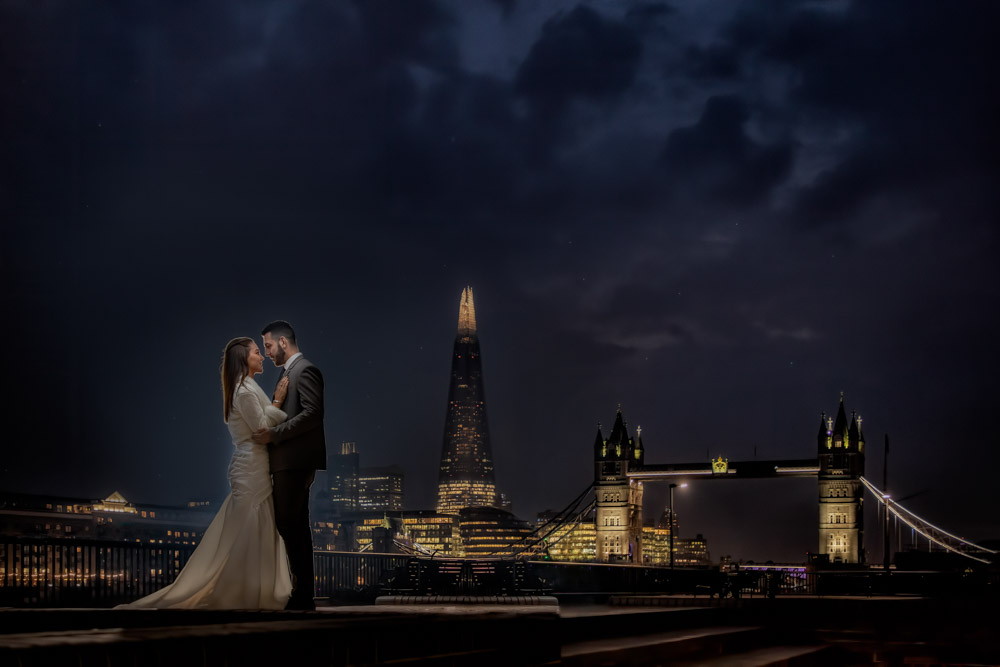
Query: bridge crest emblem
column 720, row 466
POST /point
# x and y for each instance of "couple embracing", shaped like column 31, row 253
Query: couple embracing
column 257, row 552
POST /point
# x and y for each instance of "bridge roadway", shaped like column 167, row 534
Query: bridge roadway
column 734, row 470
column 639, row 630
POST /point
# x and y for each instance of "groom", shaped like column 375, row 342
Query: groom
column 297, row 449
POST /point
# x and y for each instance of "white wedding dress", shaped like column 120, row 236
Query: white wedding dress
column 240, row 562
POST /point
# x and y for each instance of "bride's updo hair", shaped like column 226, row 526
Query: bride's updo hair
column 235, row 367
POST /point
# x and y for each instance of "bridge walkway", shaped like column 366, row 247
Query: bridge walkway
column 681, row 630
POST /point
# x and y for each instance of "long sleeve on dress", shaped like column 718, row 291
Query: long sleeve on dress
column 248, row 405
column 252, row 411
column 274, row 415
column 256, row 410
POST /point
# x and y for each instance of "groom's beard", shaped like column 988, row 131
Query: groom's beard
column 279, row 357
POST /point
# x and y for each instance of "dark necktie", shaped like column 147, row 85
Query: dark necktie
column 280, row 375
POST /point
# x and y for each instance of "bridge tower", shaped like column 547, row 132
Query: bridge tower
column 841, row 449
column 618, row 520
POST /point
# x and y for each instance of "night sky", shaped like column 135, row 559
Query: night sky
column 718, row 215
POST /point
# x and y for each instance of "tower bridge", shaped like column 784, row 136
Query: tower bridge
column 620, row 471
column 620, row 474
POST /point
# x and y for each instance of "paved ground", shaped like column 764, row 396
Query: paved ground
column 688, row 629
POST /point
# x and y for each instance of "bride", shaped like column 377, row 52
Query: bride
column 240, row 562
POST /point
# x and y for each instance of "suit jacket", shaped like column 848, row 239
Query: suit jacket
column 299, row 442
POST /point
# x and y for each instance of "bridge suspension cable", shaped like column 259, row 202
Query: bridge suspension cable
column 413, row 548
column 938, row 536
column 559, row 519
column 541, row 542
column 576, row 522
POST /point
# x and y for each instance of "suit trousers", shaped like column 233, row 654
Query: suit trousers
column 291, row 513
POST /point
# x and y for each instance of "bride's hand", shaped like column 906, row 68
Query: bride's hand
column 281, row 391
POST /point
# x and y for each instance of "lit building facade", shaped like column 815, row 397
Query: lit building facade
column 342, row 473
column 656, row 545
column 365, row 527
column 618, row 522
column 112, row 518
column 475, row 532
column 434, row 532
column 569, row 543
column 326, row 534
column 656, row 540
column 490, row 532
column 691, row 552
column 841, row 448
column 420, row 531
column 466, row 476
column 380, row 489
column 322, row 513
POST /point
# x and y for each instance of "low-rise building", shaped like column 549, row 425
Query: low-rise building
column 574, row 543
column 112, row 518
column 692, row 552
column 490, row 532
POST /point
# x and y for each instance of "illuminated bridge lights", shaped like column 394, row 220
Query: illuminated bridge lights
column 926, row 529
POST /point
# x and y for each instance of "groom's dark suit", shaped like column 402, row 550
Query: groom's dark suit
column 297, row 450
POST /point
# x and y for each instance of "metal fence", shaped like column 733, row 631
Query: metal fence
column 77, row 572
column 347, row 575
column 460, row 576
column 53, row 571
column 80, row 572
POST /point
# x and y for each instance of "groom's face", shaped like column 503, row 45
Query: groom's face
column 274, row 349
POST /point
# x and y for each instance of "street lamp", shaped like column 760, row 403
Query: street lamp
column 887, row 548
column 673, row 523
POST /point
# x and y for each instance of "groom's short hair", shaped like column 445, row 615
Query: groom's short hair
column 280, row 328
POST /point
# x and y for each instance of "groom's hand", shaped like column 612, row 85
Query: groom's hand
column 262, row 436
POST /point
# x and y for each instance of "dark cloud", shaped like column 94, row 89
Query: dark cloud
column 712, row 62
column 648, row 11
column 506, row 6
column 716, row 160
column 419, row 32
column 911, row 92
column 580, row 55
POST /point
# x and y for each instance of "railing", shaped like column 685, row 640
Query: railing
column 762, row 582
column 610, row 579
column 66, row 572
column 80, row 572
column 349, row 575
column 457, row 576
column 74, row 572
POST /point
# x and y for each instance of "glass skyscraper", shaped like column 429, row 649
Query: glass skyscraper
column 466, row 476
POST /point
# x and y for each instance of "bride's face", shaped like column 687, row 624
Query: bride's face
column 255, row 360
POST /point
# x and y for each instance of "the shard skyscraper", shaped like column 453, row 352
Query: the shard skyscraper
column 466, row 477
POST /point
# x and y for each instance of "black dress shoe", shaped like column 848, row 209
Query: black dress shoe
column 300, row 605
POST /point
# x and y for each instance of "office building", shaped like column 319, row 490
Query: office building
column 466, row 472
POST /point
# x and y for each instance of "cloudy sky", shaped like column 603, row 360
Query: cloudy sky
column 718, row 215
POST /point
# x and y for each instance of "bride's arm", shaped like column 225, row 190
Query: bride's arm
column 253, row 413
column 274, row 415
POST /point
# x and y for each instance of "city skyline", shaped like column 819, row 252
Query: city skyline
column 717, row 217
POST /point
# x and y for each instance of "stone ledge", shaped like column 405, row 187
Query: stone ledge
column 512, row 601
column 477, row 637
column 670, row 601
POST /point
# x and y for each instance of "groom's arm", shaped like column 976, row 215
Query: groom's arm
column 310, row 388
